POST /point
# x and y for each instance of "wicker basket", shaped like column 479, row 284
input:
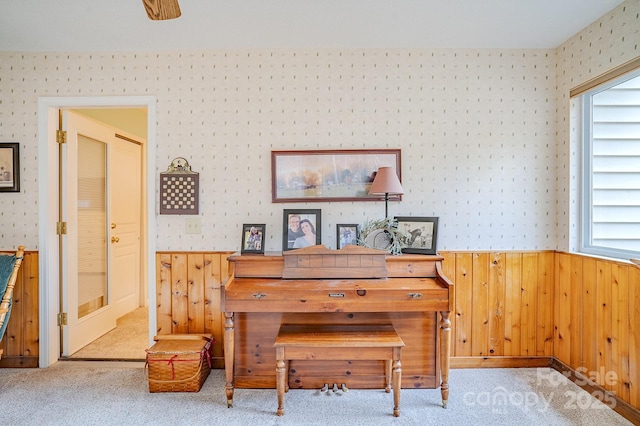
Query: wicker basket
column 179, row 362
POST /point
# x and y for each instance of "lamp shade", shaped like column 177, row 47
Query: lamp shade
column 386, row 182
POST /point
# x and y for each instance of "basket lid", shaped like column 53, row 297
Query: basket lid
column 178, row 347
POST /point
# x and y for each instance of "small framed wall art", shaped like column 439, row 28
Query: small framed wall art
column 419, row 234
column 9, row 167
column 301, row 228
column 253, row 238
column 179, row 189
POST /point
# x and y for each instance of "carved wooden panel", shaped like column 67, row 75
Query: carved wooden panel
column 320, row 262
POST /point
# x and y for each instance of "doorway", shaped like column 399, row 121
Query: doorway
column 50, row 268
column 101, row 179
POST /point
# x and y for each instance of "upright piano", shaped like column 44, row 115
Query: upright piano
column 351, row 286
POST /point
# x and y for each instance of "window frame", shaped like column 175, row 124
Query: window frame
column 585, row 95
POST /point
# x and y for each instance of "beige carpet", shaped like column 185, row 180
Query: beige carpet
column 127, row 341
column 76, row 393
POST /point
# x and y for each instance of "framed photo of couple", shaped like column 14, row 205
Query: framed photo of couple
column 301, row 228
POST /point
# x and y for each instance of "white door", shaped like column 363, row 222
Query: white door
column 125, row 207
column 101, row 176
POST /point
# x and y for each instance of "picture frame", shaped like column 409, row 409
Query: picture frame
column 347, row 234
column 329, row 175
column 253, row 236
column 420, row 234
column 293, row 228
column 9, row 167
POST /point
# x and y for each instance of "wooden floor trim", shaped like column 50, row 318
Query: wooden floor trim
column 19, row 362
column 500, row 362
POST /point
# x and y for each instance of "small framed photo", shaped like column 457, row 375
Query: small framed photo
column 420, row 234
column 253, row 238
column 347, row 234
column 9, row 167
column 301, row 228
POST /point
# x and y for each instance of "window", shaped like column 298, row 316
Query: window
column 611, row 168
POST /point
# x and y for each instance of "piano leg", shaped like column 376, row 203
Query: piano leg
column 281, row 378
column 229, row 355
column 445, row 352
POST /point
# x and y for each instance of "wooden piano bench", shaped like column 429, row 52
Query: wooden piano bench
column 339, row 342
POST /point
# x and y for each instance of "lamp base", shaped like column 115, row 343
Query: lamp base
column 386, row 205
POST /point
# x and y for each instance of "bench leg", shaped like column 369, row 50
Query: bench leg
column 397, row 381
column 387, row 375
column 281, row 372
column 445, row 352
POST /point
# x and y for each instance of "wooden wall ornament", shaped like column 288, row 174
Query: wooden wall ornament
column 179, row 189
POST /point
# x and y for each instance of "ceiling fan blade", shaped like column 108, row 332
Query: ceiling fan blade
column 160, row 10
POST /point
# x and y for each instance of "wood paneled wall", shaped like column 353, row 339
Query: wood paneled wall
column 597, row 321
column 188, row 295
column 503, row 303
column 581, row 311
column 20, row 342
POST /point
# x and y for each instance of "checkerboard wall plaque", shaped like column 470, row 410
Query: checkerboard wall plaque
column 179, row 189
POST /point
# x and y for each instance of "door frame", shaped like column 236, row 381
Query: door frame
column 49, row 294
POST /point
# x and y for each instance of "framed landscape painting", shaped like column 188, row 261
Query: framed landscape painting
column 329, row 175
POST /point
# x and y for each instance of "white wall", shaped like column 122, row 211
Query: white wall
column 480, row 145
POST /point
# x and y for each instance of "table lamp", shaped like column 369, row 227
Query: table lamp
column 386, row 182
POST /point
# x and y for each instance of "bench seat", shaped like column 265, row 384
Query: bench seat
column 339, row 342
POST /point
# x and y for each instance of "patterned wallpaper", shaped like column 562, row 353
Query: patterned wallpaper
column 610, row 41
column 484, row 133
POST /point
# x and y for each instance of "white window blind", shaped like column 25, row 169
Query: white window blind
column 611, row 168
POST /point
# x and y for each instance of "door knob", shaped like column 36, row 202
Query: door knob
column 115, row 239
column 113, row 226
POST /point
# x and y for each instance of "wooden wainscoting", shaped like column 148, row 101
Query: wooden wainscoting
column 20, row 342
column 597, row 321
column 503, row 308
column 188, row 295
column 577, row 313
